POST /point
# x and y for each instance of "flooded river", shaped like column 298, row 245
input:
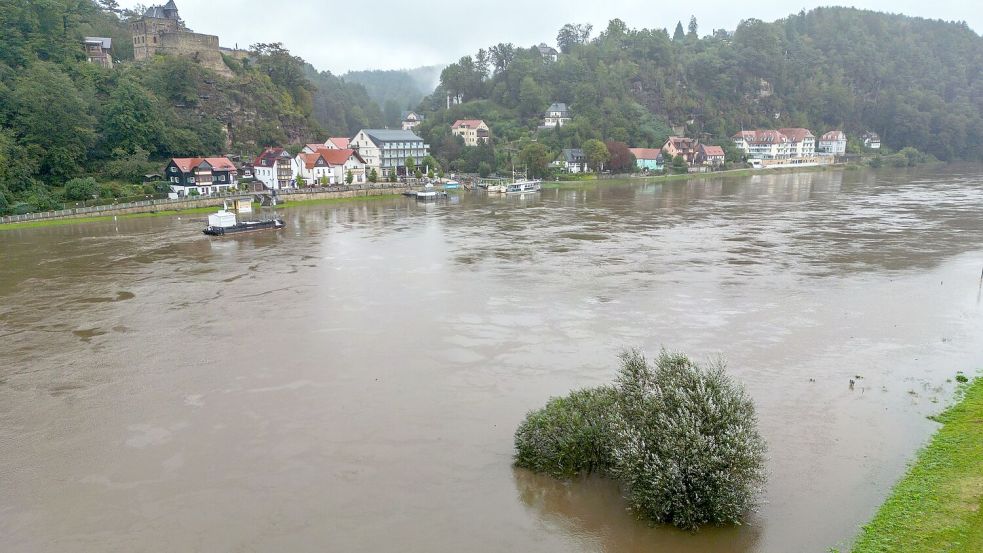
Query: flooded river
column 352, row 383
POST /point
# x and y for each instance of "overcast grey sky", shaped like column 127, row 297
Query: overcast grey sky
column 394, row 34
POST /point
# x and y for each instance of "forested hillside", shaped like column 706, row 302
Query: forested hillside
column 916, row 82
column 62, row 117
column 395, row 91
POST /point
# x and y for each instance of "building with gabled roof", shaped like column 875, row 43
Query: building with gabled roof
column 648, row 159
column 411, row 120
column 681, row 146
column 385, row 149
column 473, row 131
column 871, row 140
column 98, row 50
column 557, row 115
column 548, row 52
column 331, row 166
column 194, row 176
column 274, row 168
column 572, row 160
column 711, row 156
column 802, row 143
column 833, row 143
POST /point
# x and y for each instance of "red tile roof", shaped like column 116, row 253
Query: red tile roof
column 339, row 142
column 338, row 157
column 470, row 123
column 269, row 155
column 712, row 150
column 310, row 160
column 188, row 164
column 646, row 153
column 797, row 134
column 833, row 135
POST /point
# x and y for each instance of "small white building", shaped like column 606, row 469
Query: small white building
column 871, row 140
column 330, row 166
column 832, row 143
column 557, row 115
column 411, row 120
column 548, row 52
column 275, row 169
column 572, row 160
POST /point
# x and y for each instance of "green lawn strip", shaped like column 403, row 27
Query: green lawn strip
column 103, row 218
column 190, row 211
column 937, row 505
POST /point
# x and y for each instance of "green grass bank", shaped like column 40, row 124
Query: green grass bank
column 938, row 506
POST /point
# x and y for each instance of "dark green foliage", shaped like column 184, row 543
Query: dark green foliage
column 912, row 80
column 681, row 438
column 384, row 87
column 688, row 450
column 570, row 436
column 80, row 189
column 342, row 108
column 62, row 117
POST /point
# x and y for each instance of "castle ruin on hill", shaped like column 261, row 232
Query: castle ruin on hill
column 161, row 31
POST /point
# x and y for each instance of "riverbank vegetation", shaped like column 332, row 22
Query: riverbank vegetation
column 909, row 79
column 62, row 117
column 938, row 506
column 680, row 437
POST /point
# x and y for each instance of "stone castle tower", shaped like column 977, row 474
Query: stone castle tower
column 161, row 31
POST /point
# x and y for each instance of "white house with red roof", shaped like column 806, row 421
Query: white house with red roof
column 762, row 144
column 274, row 168
column 330, row 166
column 802, row 143
column 832, row 143
column 473, row 131
column 201, row 176
column 711, row 156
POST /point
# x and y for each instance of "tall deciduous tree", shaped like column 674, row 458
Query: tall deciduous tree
column 132, row 119
column 536, row 158
column 597, row 154
column 48, row 111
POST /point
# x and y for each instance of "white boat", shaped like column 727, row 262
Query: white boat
column 524, row 186
column 497, row 189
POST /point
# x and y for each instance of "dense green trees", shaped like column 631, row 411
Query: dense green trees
column 61, row 117
column 914, row 81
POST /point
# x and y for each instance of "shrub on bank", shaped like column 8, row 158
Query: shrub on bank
column 680, row 437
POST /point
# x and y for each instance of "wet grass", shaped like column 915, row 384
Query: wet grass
column 938, row 506
column 173, row 212
column 103, row 218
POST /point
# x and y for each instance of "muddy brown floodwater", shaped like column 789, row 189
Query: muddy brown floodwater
column 353, row 382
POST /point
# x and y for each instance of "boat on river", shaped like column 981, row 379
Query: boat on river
column 225, row 222
column 524, row 187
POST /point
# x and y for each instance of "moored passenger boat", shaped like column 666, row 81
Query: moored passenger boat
column 224, row 222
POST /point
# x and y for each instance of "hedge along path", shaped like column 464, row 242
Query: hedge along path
column 938, row 506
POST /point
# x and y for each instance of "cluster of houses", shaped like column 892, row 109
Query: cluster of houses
column 339, row 160
column 699, row 157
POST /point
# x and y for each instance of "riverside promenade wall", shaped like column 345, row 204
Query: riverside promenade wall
column 153, row 206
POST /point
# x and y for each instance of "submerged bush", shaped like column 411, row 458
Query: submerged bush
column 681, row 438
column 688, row 451
column 570, row 436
